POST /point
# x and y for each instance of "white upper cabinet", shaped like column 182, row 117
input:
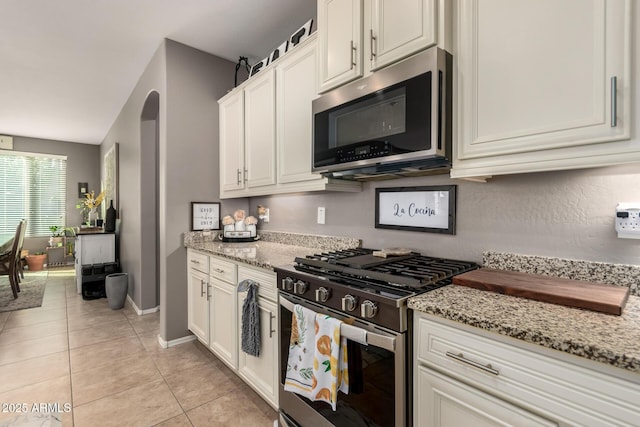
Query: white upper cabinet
column 260, row 130
column 295, row 90
column 231, row 112
column 266, row 131
column 400, row 28
column 542, row 85
column 247, row 127
column 357, row 37
column 340, row 42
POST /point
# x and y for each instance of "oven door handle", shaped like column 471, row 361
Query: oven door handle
column 356, row 334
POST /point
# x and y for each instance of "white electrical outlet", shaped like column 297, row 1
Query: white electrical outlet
column 321, row 213
column 628, row 220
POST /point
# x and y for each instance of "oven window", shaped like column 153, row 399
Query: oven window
column 371, row 398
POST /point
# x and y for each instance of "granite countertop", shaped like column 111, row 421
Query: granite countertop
column 610, row 339
column 272, row 250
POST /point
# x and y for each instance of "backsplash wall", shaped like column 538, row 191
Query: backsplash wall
column 566, row 214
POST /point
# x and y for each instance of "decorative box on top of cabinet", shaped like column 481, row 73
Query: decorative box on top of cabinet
column 465, row 378
column 98, row 248
column 357, row 37
column 543, row 85
column 266, row 131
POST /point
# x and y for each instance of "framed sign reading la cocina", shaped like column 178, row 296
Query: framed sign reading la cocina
column 428, row 209
column 205, row 216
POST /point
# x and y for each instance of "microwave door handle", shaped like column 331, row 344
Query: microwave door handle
column 354, row 333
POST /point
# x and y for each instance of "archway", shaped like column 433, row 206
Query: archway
column 149, row 203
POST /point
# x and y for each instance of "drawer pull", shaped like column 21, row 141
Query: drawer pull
column 193, row 261
column 218, row 270
column 460, row 358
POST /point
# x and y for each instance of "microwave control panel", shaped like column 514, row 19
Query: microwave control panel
column 369, row 150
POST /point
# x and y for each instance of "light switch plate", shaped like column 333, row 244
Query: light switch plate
column 628, row 220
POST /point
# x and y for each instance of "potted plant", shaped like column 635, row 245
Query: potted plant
column 35, row 261
column 57, row 234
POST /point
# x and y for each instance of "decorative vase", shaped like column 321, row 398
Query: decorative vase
column 110, row 220
column 116, row 286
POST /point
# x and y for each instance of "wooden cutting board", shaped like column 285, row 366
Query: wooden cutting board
column 591, row 296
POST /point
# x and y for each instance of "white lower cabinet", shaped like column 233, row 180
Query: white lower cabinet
column 197, row 300
column 261, row 372
column 222, row 312
column 215, row 318
column 464, row 378
column 446, row 402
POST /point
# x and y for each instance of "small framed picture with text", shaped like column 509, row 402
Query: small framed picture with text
column 205, row 216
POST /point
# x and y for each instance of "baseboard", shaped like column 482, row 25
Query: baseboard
column 167, row 344
column 141, row 312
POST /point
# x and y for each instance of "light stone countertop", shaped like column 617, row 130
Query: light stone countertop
column 273, row 249
column 606, row 338
column 258, row 254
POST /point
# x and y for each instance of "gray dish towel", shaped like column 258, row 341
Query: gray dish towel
column 250, row 339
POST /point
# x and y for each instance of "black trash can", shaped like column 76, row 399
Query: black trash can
column 116, row 286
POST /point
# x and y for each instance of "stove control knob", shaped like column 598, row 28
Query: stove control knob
column 349, row 303
column 287, row 284
column 322, row 294
column 368, row 309
column 300, row 287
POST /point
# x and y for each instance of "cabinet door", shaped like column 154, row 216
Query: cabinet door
column 260, row 131
column 295, row 89
column 262, row 372
column 400, row 28
column 535, row 83
column 339, row 42
column 222, row 321
column 198, row 305
column 441, row 401
column 231, row 116
column 96, row 249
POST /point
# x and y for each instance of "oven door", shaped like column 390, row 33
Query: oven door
column 377, row 374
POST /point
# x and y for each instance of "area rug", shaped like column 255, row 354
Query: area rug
column 30, row 295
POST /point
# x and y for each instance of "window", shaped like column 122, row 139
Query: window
column 33, row 187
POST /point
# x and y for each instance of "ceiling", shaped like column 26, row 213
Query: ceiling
column 67, row 67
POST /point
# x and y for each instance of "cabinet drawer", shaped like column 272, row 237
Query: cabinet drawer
column 198, row 261
column 266, row 281
column 552, row 387
column 223, row 270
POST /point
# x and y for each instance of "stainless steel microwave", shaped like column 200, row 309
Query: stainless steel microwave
column 397, row 121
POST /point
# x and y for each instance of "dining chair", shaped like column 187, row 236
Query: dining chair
column 8, row 264
column 19, row 270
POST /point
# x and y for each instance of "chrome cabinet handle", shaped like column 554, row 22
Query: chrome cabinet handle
column 193, row 261
column 201, row 287
column 614, row 101
column 460, row 358
column 271, row 330
column 246, row 173
column 217, row 270
column 352, row 58
column 374, row 40
column 208, row 294
column 238, row 176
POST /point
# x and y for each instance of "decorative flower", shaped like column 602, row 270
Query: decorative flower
column 91, row 201
column 251, row 220
column 239, row 215
column 228, row 220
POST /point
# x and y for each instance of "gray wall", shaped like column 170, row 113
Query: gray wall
column 188, row 166
column 83, row 165
column 189, row 83
column 126, row 131
column 567, row 214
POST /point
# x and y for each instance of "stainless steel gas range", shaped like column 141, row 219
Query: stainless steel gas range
column 370, row 294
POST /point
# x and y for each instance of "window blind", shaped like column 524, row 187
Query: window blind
column 33, row 187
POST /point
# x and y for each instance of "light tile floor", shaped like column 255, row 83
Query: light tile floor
column 107, row 366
